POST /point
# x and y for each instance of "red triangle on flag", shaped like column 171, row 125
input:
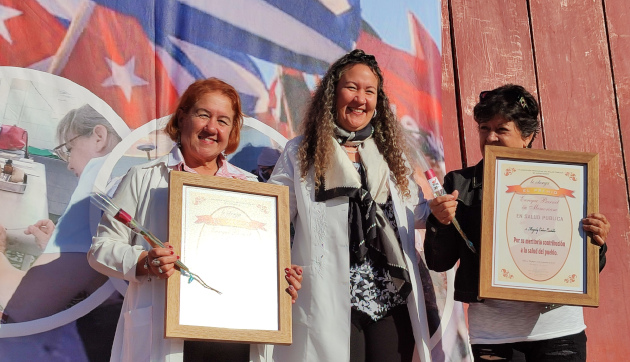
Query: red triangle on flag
column 19, row 21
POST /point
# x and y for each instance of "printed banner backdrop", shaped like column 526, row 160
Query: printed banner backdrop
column 120, row 66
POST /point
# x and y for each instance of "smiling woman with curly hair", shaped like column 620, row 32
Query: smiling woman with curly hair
column 319, row 125
column 354, row 206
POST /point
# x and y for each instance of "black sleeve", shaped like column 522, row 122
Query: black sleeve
column 602, row 256
column 441, row 241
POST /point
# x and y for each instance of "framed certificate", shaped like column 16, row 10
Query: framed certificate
column 533, row 247
column 235, row 236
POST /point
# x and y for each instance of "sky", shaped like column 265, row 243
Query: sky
column 389, row 19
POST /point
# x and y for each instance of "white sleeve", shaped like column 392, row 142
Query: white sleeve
column 284, row 173
column 115, row 249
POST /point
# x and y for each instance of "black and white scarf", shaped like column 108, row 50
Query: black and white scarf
column 370, row 230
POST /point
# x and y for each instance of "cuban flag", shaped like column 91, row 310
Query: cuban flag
column 19, row 21
column 288, row 101
column 304, row 35
column 140, row 56
column 410, row 79
column 109, row 54
column 412, row 83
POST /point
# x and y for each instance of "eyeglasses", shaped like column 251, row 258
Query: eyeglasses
column 62, row 151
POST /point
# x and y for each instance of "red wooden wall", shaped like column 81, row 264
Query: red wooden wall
column 572, row 55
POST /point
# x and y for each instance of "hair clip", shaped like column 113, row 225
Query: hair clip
column 522, row 102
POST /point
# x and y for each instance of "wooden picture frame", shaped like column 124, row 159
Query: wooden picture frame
column 235, row 235
column 533, row 247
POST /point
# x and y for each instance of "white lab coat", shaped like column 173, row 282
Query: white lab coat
column 143, row 193
column 321, row 315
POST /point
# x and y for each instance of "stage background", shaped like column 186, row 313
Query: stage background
column 130, row 60
column 573, row 56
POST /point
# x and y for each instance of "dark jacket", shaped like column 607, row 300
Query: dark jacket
column 443, row 246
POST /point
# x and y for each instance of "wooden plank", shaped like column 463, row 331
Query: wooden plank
column 450, row 116
column 492, row 47
column 578, row 105
column 617, row 15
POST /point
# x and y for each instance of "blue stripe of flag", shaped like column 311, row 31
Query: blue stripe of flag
column 170, row 17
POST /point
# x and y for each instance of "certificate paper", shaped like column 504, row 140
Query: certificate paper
column 533, row 247
column 233, row 234
column 539, row 243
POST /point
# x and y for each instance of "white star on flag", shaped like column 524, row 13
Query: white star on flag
column 123, row 76
column 7, row 13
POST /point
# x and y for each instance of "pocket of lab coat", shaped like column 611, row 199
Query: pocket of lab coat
column 138, row 334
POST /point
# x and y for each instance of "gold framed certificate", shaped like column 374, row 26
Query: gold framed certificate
column 235, row 235
column 533, row 247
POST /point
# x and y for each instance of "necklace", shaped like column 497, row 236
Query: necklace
column 352, row 150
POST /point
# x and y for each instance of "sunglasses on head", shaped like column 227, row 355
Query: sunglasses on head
column 486, row 94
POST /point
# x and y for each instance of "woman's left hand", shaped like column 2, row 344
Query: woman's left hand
column 293, row 275
column 598, row 225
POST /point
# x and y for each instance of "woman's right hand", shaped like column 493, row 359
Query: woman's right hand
column 42, row 231
column 161, row 261
column 443, row 207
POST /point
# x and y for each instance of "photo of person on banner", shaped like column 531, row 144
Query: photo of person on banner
column 507, row 116
column 61, row 277
column 86, row 138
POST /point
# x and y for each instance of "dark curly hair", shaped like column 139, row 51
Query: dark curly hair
column 317, row 145
column 512, row 102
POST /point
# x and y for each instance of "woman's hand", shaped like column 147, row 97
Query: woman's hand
column 162, row 261
column 294, row 277
column 598, row 226
column 443, row 207
column 41, row 230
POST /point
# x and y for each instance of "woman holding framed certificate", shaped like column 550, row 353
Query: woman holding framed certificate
column 205, row 127
column 507, row 116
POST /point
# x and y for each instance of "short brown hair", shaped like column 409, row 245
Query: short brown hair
column 192, row 95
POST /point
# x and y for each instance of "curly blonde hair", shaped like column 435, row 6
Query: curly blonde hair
column 317, row 145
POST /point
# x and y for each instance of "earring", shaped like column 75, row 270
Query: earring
column 179, row 140
column 374, row 115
